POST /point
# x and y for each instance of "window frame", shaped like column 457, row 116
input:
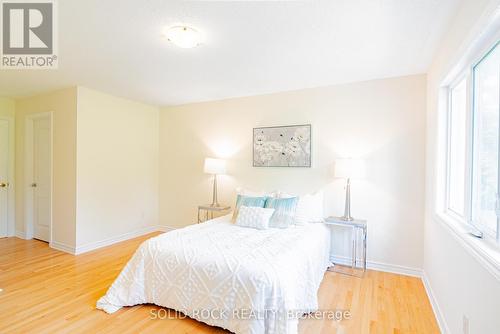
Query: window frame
column 466, row 220
column 488, row 234
column 463, row 75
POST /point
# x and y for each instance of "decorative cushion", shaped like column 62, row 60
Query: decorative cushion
column 248, row 201
column 284, row 214
column 254, row 217
column 309, row 208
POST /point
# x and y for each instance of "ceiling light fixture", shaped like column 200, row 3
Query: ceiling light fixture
column 183, row 36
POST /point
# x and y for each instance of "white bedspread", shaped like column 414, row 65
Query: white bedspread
column 249, row 279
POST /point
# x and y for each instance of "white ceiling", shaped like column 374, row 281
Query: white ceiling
column 251, row 47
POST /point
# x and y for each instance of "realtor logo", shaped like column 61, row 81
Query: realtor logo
column 28, row 34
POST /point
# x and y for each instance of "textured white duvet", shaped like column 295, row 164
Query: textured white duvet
column 251, row 281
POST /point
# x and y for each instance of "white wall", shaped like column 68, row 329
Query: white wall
column 117, row 168
column 460, row 285
column 382, row 121
column 63, row 105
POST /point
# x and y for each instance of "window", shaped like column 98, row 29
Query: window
column 473, row 136
column 457, row 148
column 485, row 188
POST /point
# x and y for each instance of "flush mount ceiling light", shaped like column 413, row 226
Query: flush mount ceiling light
column 183, row 36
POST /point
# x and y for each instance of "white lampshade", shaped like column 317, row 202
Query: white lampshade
column 349, row 168
column 215, row 166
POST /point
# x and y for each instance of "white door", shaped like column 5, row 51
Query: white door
column 4, row 177
column 41, row 179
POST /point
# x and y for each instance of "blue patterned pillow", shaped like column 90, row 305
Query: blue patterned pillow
column 284, row 211
column 248, row 201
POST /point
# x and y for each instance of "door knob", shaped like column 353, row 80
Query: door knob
column 33, row 185
column 4, row 184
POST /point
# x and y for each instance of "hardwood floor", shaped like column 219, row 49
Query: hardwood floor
column 47, row 291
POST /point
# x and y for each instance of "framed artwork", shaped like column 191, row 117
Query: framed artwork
column 282, row 146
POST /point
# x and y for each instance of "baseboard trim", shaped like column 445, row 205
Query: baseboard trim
column 390, row 268
column 443, row 326
column 20, row 234
column 62, row 247
column 103, row 243
column 113, row 240
column 126, row 236
column 163, row 228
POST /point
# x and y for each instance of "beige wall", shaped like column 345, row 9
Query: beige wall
column 105, row 165
column 63, row 106
column 461, row 285
column 7, row 107
column 382, row 121
column 117, row 167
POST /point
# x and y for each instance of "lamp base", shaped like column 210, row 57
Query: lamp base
column 347, row 211
column 215, row 202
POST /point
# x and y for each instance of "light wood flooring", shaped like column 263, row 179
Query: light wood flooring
column 47, row 291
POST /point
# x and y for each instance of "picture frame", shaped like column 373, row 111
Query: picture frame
column 282, row 146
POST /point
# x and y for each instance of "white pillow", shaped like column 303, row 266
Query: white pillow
column 309, row 208
column 252, row 193
column 254, row 217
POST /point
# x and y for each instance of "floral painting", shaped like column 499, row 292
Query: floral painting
column 282, row 146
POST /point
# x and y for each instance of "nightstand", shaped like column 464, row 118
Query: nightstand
column 359, row 233
column 209, row 211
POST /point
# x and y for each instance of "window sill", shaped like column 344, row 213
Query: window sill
column 486, row 253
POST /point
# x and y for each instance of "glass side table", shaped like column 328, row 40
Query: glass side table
column 359, row 234
column 209, row 211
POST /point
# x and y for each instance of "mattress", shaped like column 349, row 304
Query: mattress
column 245, row 280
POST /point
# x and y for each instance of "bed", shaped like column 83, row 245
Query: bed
column 245, row 280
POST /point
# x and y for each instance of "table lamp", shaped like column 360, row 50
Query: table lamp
column 348, row 169
column 215, row 167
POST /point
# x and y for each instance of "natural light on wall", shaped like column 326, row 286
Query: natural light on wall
column 222, row 147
